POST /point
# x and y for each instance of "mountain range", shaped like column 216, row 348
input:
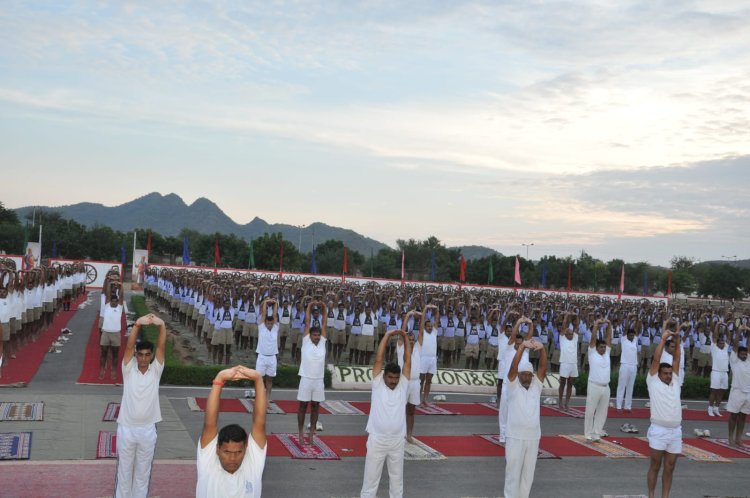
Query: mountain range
column 168, row 215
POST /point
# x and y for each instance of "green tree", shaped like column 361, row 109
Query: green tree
column 267, row 253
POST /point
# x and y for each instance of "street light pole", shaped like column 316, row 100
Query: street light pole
column 299, row 245
column 527, row 249
column 730, row 257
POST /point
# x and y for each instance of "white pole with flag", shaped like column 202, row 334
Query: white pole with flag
column 517, row 277
column 40, row 242
column 622, row 281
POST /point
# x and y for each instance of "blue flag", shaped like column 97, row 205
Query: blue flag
column 544, row 276
column 185, row 253
column 314, row 268
column 54, row 248
column 433, row 268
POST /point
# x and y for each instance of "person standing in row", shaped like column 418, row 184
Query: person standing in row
column 142, row 366
column 312, row 369
column 597, row 390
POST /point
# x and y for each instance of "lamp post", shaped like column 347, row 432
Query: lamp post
column 734, row 258
column 527, row 249
column 299, row 245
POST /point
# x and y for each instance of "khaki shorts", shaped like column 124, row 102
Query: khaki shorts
column 366, row 343
column 472, row 351
column 492, row 352
column 110, row 339
column 37, row 313
column 337, row 336
column 6, row 331
column 199, row 321
column 294, row 335
column 448, row 343
column 48, row 307
column 616, row 350
column 556, row 357
column 284, row 329
column 222, row 336
column 460, row 342
column 174, row 303
column 704, row 359
column 13, row 325
column 252, row 330
column 183, row 307
column 195, row 314
column 482, row 345
column 353, row 342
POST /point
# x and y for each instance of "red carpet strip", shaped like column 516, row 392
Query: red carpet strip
column 21, row 370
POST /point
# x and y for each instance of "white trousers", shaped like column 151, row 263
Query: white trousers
column 503, row 414
column 379, row 450
column 520, row 463
column 597, row 403
column 135, row 454
column 625, row 383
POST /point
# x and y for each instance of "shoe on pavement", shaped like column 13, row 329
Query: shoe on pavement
column 710, row 411
column 698, row 432
column 604, row 434
column 716, row 411
column 707, row 433
column 318, row 426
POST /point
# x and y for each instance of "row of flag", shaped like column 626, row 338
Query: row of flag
column 433, row 265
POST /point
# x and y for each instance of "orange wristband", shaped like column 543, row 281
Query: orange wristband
column 218, row 382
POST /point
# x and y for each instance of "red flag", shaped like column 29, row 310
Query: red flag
column 462, row 269
column 403, row 259
column 622, row 279
column 346, row 266
column 148, row 244
column 217, row 259
column 517, row 277
column 570, row 272
column 669, row 282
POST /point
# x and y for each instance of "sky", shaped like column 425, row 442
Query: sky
column 618, row 128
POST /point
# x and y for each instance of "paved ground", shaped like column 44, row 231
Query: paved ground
column 64, row 448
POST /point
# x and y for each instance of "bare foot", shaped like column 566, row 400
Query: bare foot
column 301, row 439
column 113, row 375
column 732, row 443
column 312, row 438
column 409, row 439
column 101, row 374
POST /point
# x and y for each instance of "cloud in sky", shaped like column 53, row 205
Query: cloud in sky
column 552, row 121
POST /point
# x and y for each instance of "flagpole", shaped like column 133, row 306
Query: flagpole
column 40, row 241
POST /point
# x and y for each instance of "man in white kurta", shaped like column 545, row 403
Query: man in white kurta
column 597, row 389
column 142, row 366
column 386, row 424
column 524, row 431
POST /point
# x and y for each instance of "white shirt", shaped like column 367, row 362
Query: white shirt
column 629, row 351
column 268, row 344
column 112, row 318
column 388, row 409
column 429, row 344
column 140, row 394
column 415, row 359
column 523, row 409
column 740, row 373
column 719, row 358
column 599, row 366
column 313, row 362
column 666, row 408
column 215, row 482
column 569, row 349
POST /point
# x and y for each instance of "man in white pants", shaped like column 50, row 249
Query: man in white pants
column 597, row 390
column 508, row 350
column 738, row 405
column 524, row 389
column 665, row 431
column 386, row 424
column 628, row 369
column 142, row 367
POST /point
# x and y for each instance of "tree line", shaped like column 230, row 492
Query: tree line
column 424, row 260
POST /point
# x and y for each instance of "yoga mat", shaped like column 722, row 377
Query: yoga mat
column 106, row 446
column 318, row 451
column 90, row 369
column 15, row 446
column 111, row 412
column 21, row 412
